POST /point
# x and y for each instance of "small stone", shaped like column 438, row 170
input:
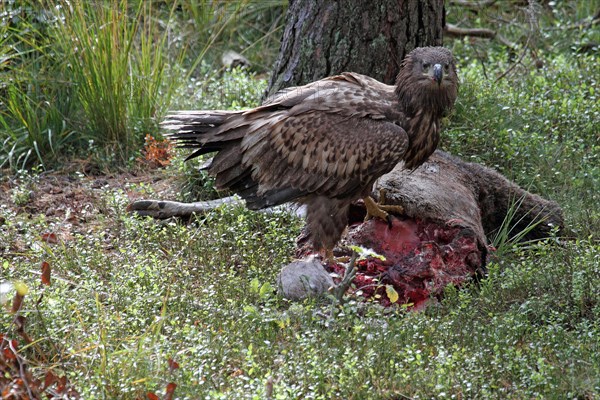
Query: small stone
column 304, row 278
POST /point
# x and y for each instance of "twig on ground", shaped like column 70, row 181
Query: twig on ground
column 513, row 66
column 340, row 289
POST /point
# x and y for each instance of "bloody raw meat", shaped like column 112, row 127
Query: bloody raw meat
column 451, row 209
column 421, row 258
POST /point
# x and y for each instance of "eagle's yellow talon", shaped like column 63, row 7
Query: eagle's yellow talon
column 380, row 211
column 327, row 257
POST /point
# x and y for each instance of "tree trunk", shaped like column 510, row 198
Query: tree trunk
column 324, row 38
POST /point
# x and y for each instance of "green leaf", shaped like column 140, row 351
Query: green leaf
column 363, row 253
column 265, row 290
column 250, row 309
column 254, row 284
column 21, row 288
column 391, row 293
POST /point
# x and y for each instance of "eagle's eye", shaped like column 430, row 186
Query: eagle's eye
column 426, row 65
column 446, row 68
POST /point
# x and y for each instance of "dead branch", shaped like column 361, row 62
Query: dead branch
column 473, row 4
column 456, row 31
column 531, row 13
column 513, row 66
column 163, row 209
column 585, row 23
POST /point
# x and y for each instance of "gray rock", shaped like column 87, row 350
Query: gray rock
column 304, row 278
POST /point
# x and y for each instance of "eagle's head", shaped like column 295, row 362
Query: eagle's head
column 428, row 80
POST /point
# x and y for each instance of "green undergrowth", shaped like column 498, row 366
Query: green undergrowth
column 128, row 295
column 532, row 111
column 89, row 80
column 540, row 130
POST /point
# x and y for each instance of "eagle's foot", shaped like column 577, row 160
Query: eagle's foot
column 327, row 257
column 381, row 211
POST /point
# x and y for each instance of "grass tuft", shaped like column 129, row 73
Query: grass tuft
column 91, row 79
column 118, row 59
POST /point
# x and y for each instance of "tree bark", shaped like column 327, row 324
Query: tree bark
column 324, row 37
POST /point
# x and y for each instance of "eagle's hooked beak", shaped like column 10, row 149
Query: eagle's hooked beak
column 438, row 73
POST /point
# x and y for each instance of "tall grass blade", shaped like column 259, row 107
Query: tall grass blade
column 118, row 59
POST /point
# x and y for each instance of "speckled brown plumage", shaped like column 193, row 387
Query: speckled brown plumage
column 325, row 144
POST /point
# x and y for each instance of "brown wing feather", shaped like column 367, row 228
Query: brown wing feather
column 329, row 138
column 324, row 154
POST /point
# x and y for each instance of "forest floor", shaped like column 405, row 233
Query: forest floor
column 73, row 200
column 133, row 308
column 125, row 307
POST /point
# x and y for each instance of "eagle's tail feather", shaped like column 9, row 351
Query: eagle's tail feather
column 222, row 132
column 201, row 130
column 209, row 132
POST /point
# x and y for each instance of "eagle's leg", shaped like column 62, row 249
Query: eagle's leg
column 326, row 255
column 381, row 211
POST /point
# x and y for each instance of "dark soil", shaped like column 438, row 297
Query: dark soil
column 57, row 194
column 71, row 201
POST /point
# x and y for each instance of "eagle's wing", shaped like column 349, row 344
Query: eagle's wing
column 324, row 154
column 331, row 140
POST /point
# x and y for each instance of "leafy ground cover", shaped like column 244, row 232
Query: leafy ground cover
column 125, row 307
column 129, row 297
